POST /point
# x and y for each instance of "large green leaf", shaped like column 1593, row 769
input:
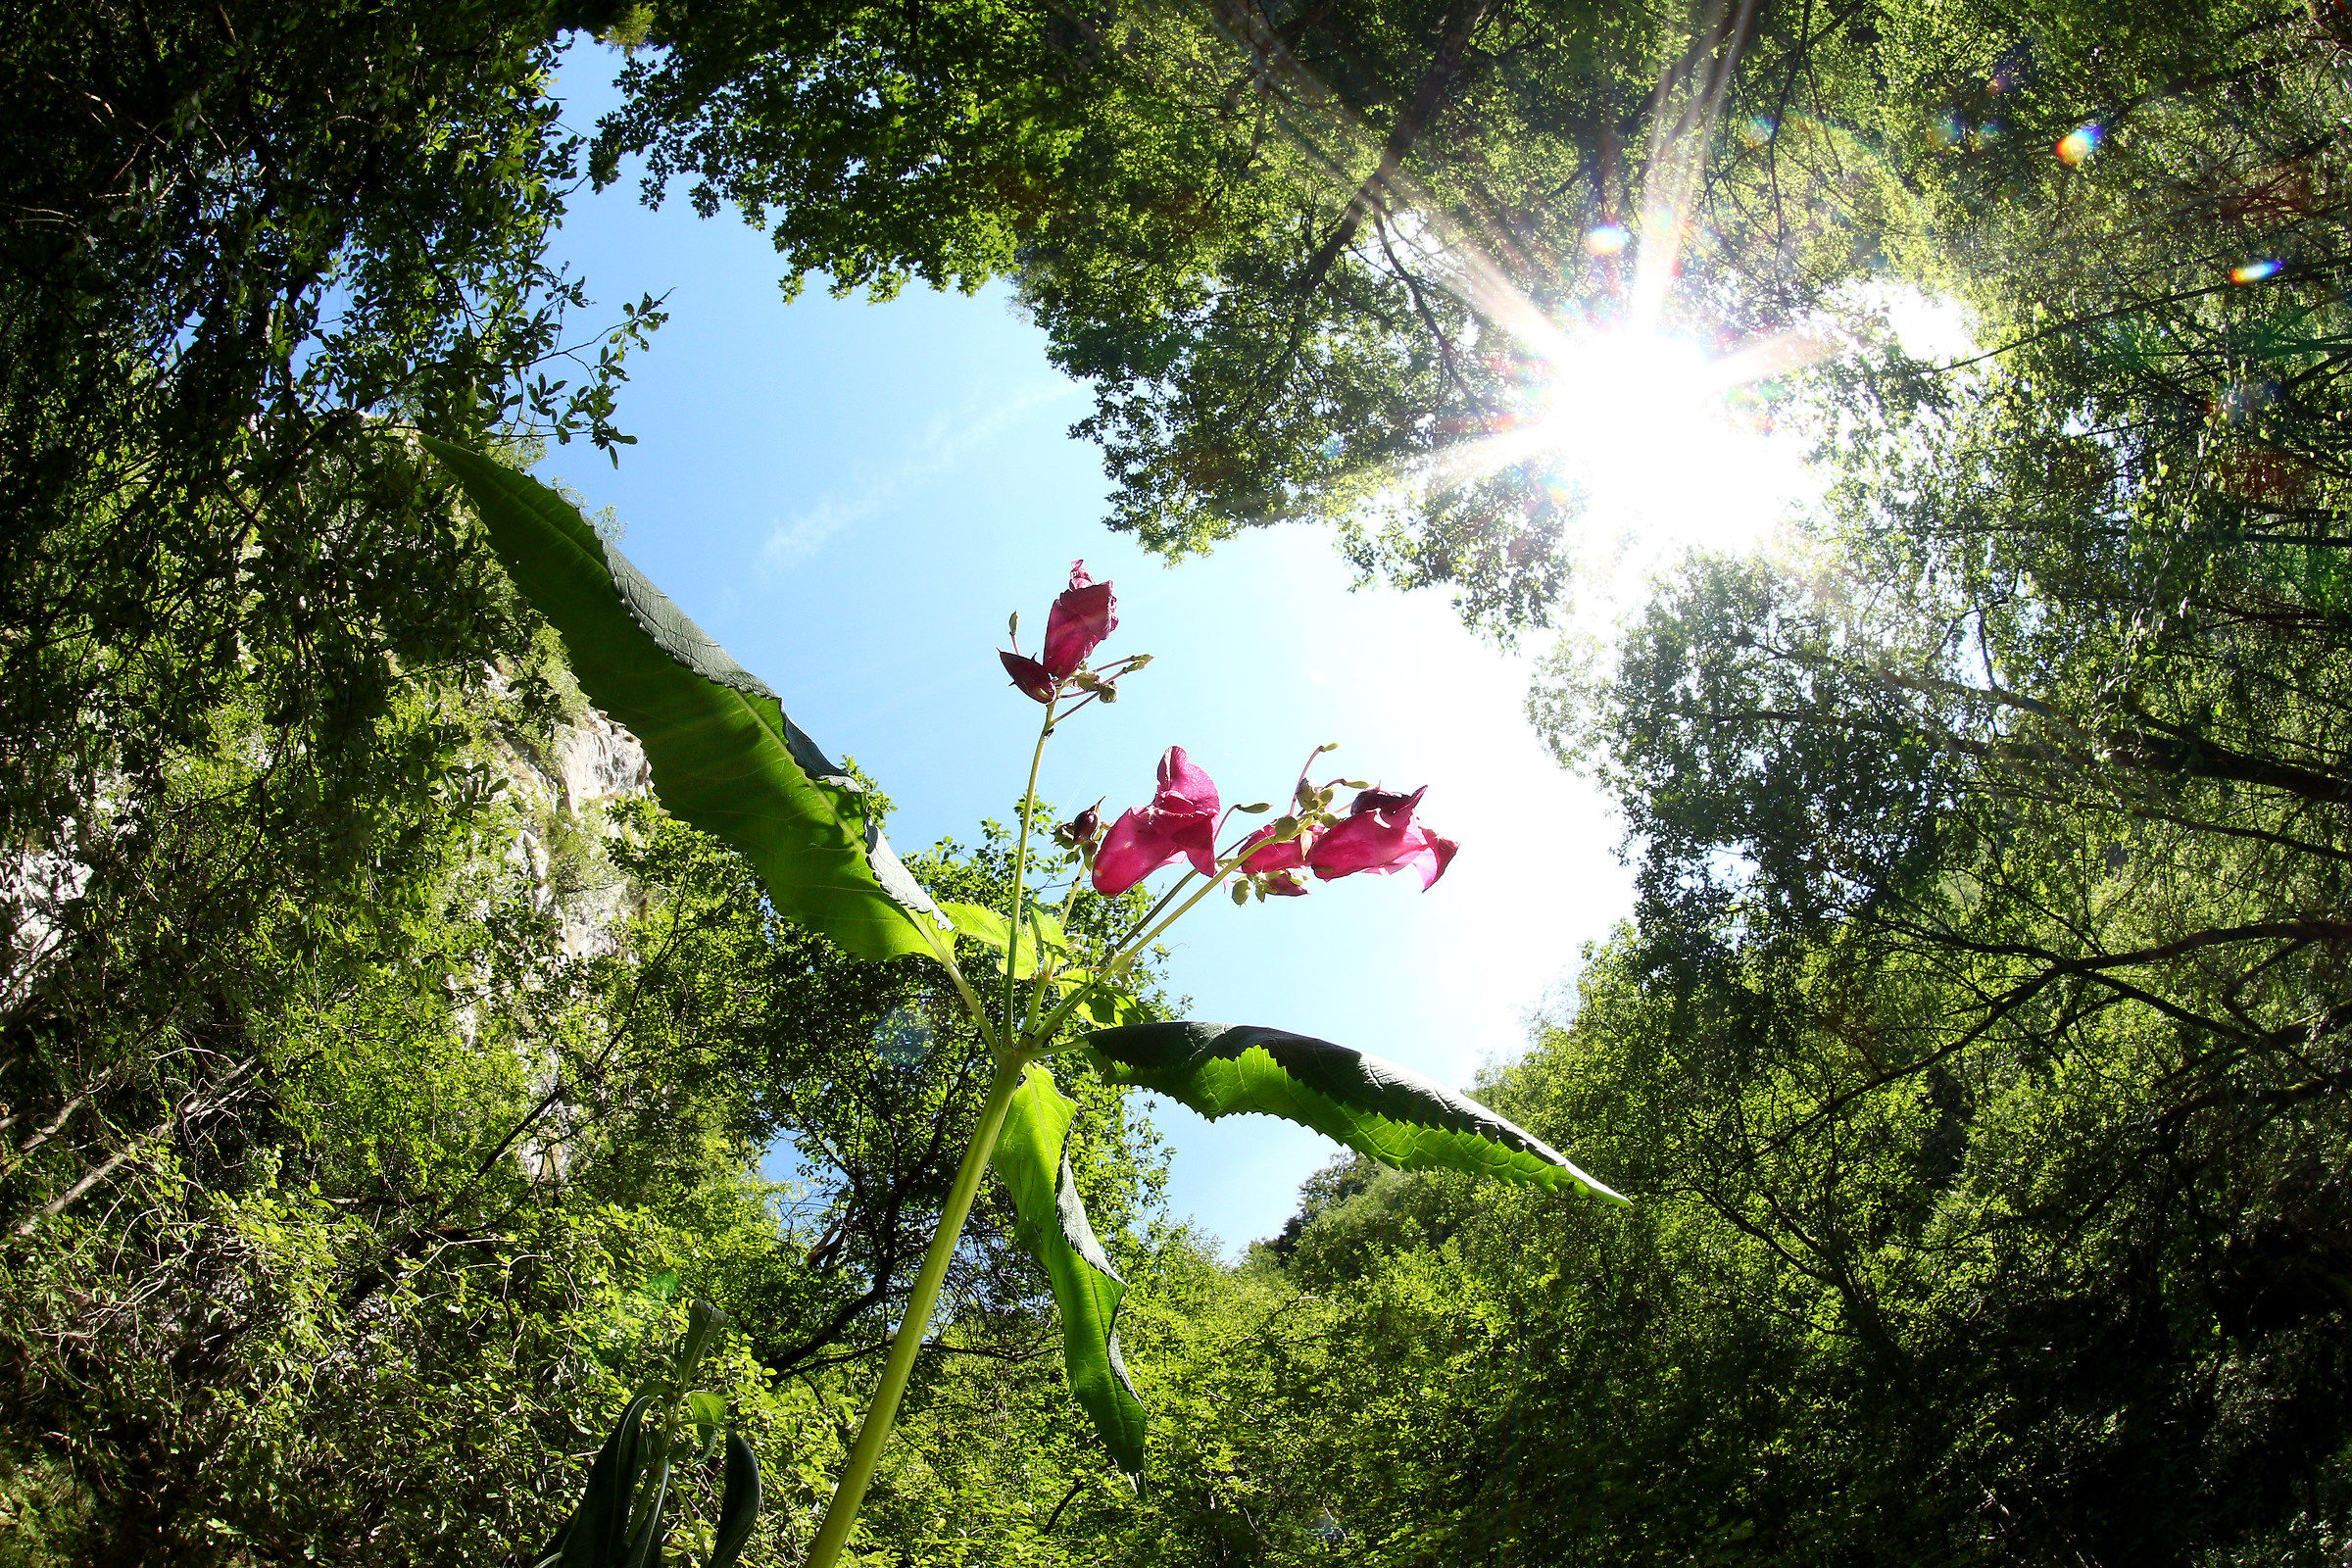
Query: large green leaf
column 1374, row 1108
column 1032, row 1157
column 724, row 756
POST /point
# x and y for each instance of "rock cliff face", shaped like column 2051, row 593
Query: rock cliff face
column 596, row 759
column 559, row 794
column 593, row 761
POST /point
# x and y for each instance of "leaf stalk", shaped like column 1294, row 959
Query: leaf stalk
column 857, row 1472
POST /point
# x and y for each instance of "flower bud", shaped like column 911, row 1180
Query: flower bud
column 1029, row 675
column 1081, row 831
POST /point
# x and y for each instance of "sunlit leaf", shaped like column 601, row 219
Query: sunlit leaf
column 1044, row 933
column 1374, row 1108
column 709, row 1413
column 1106, row 1006
column 1033, row 1159
column 724, row 756
column 702, row 1321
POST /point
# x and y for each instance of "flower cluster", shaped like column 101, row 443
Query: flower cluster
column 1379, row 832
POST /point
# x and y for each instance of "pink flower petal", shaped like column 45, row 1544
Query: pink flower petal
column 1196, row 836
column 1184, row 790
column 1288, row 856
column 1387, row 802
column 1083, row 616
column 1363, row 843
column 1132, row 850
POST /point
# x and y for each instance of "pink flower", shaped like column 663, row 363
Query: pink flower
column 1381, row 836
column 1288, row 856
column 1082, row 614
column 1081, row 617
column 1181, row 822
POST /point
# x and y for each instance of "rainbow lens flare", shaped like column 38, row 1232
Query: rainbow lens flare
column 1607, row 240
column 2076, row 146
column 2255, row 271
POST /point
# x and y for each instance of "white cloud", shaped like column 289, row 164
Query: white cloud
column 947, row 441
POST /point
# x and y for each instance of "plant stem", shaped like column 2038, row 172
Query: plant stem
column 1020, row 881
column 842, row 1513
column 1124, row 959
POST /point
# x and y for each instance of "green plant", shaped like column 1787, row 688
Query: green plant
column 725, row 758
column 618, row 1523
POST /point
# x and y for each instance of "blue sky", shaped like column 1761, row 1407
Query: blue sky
column 851, row 497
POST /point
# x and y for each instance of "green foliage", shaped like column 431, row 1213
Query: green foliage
column 621, row 1519
column 1376, row 1107
column 1311, row 258
column 724, row 756
column 1032, row 1159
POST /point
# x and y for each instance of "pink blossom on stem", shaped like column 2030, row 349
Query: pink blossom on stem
column 1081, row 617
column 1262, row 856
column 1381, row 836
column 1180, row 823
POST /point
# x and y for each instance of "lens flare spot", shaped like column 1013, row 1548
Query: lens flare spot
column 2077, row 146
column 1947, row 131
column 903, row 1036
column 2256, row 271
column 1607, row 239
column 1756, row 131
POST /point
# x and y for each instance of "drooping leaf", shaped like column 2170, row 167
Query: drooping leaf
column 991, row 930
column 599, row 1526
column 738, row 1505
column 1033, row 1159
column 709, row 1413
column 724, row 756
column 1374, row 1108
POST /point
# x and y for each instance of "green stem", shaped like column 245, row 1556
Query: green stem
column 1020, row 880
column 943, row 947
column 1120, row 965
column 842, row 1513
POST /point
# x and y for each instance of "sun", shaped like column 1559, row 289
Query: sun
column 1671, row 440
column 1669, row 444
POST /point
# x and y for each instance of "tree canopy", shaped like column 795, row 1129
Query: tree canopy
column 380, row 1071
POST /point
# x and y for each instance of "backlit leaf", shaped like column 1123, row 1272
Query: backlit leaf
column 1374, row 1108
column 724, row 756
column 1033, row 1159
column 738, row 1505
